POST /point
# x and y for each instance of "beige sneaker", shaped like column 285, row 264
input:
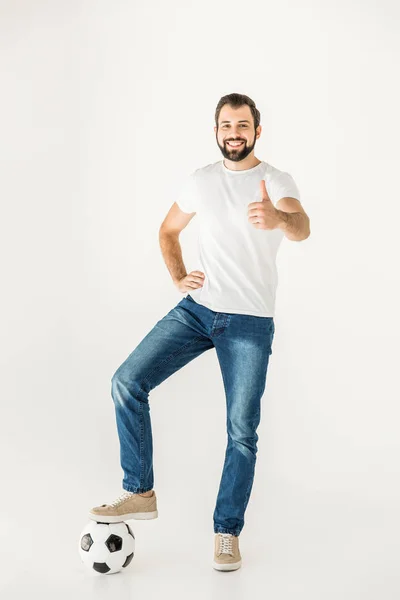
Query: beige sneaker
column 226, row 552
column 126, row 506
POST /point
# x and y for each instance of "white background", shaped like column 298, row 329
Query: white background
column 105, row 108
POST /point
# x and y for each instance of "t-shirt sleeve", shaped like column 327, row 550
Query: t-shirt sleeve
column 188, row 195
column 283, row 186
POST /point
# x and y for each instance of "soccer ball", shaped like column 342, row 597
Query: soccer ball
column 106, row 547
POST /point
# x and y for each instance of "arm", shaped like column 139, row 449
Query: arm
column 172, row 255
column 175, row 221
column 294, row 221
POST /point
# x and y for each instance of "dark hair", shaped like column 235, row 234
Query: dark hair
column 235, row 101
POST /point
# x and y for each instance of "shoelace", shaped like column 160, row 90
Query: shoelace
column 226, row 540
column 124, row 496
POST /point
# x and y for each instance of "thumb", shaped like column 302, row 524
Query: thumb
column 264, row 193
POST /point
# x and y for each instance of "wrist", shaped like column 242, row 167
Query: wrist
column 178, row 279
column 283, row 219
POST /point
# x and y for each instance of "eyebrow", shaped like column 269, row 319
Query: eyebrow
column 243, row 121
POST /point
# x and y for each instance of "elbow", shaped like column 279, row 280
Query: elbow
column 300, row 238
column 168, row 232
column 308, row 230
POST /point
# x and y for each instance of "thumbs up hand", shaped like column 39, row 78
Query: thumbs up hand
column 264, row 215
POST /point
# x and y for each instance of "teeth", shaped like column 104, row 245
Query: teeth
column 235, row 143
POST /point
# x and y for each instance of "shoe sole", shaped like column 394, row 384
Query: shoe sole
column 227, row 567
column 144, row 516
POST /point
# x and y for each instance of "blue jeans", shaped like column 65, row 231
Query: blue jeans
column 243, row 345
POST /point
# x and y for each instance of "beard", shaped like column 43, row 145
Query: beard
column 236, row 154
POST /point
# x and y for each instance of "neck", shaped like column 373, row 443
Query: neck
column 248, row 163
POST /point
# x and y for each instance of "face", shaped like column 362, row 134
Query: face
column 236, row 124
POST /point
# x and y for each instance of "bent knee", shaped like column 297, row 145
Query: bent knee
column 127, row 389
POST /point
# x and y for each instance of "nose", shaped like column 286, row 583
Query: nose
column 234, row 135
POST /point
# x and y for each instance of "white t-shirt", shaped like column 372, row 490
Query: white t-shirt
column 238, row 260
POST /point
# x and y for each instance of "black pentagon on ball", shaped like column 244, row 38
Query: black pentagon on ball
column 86, row 542
column 101, row 567
column 130, row 530
column 114, row 543
column 128, row 560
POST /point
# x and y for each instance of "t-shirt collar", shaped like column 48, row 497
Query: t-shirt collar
column 243, row 171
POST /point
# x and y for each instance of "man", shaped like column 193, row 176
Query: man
column 245, row 207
